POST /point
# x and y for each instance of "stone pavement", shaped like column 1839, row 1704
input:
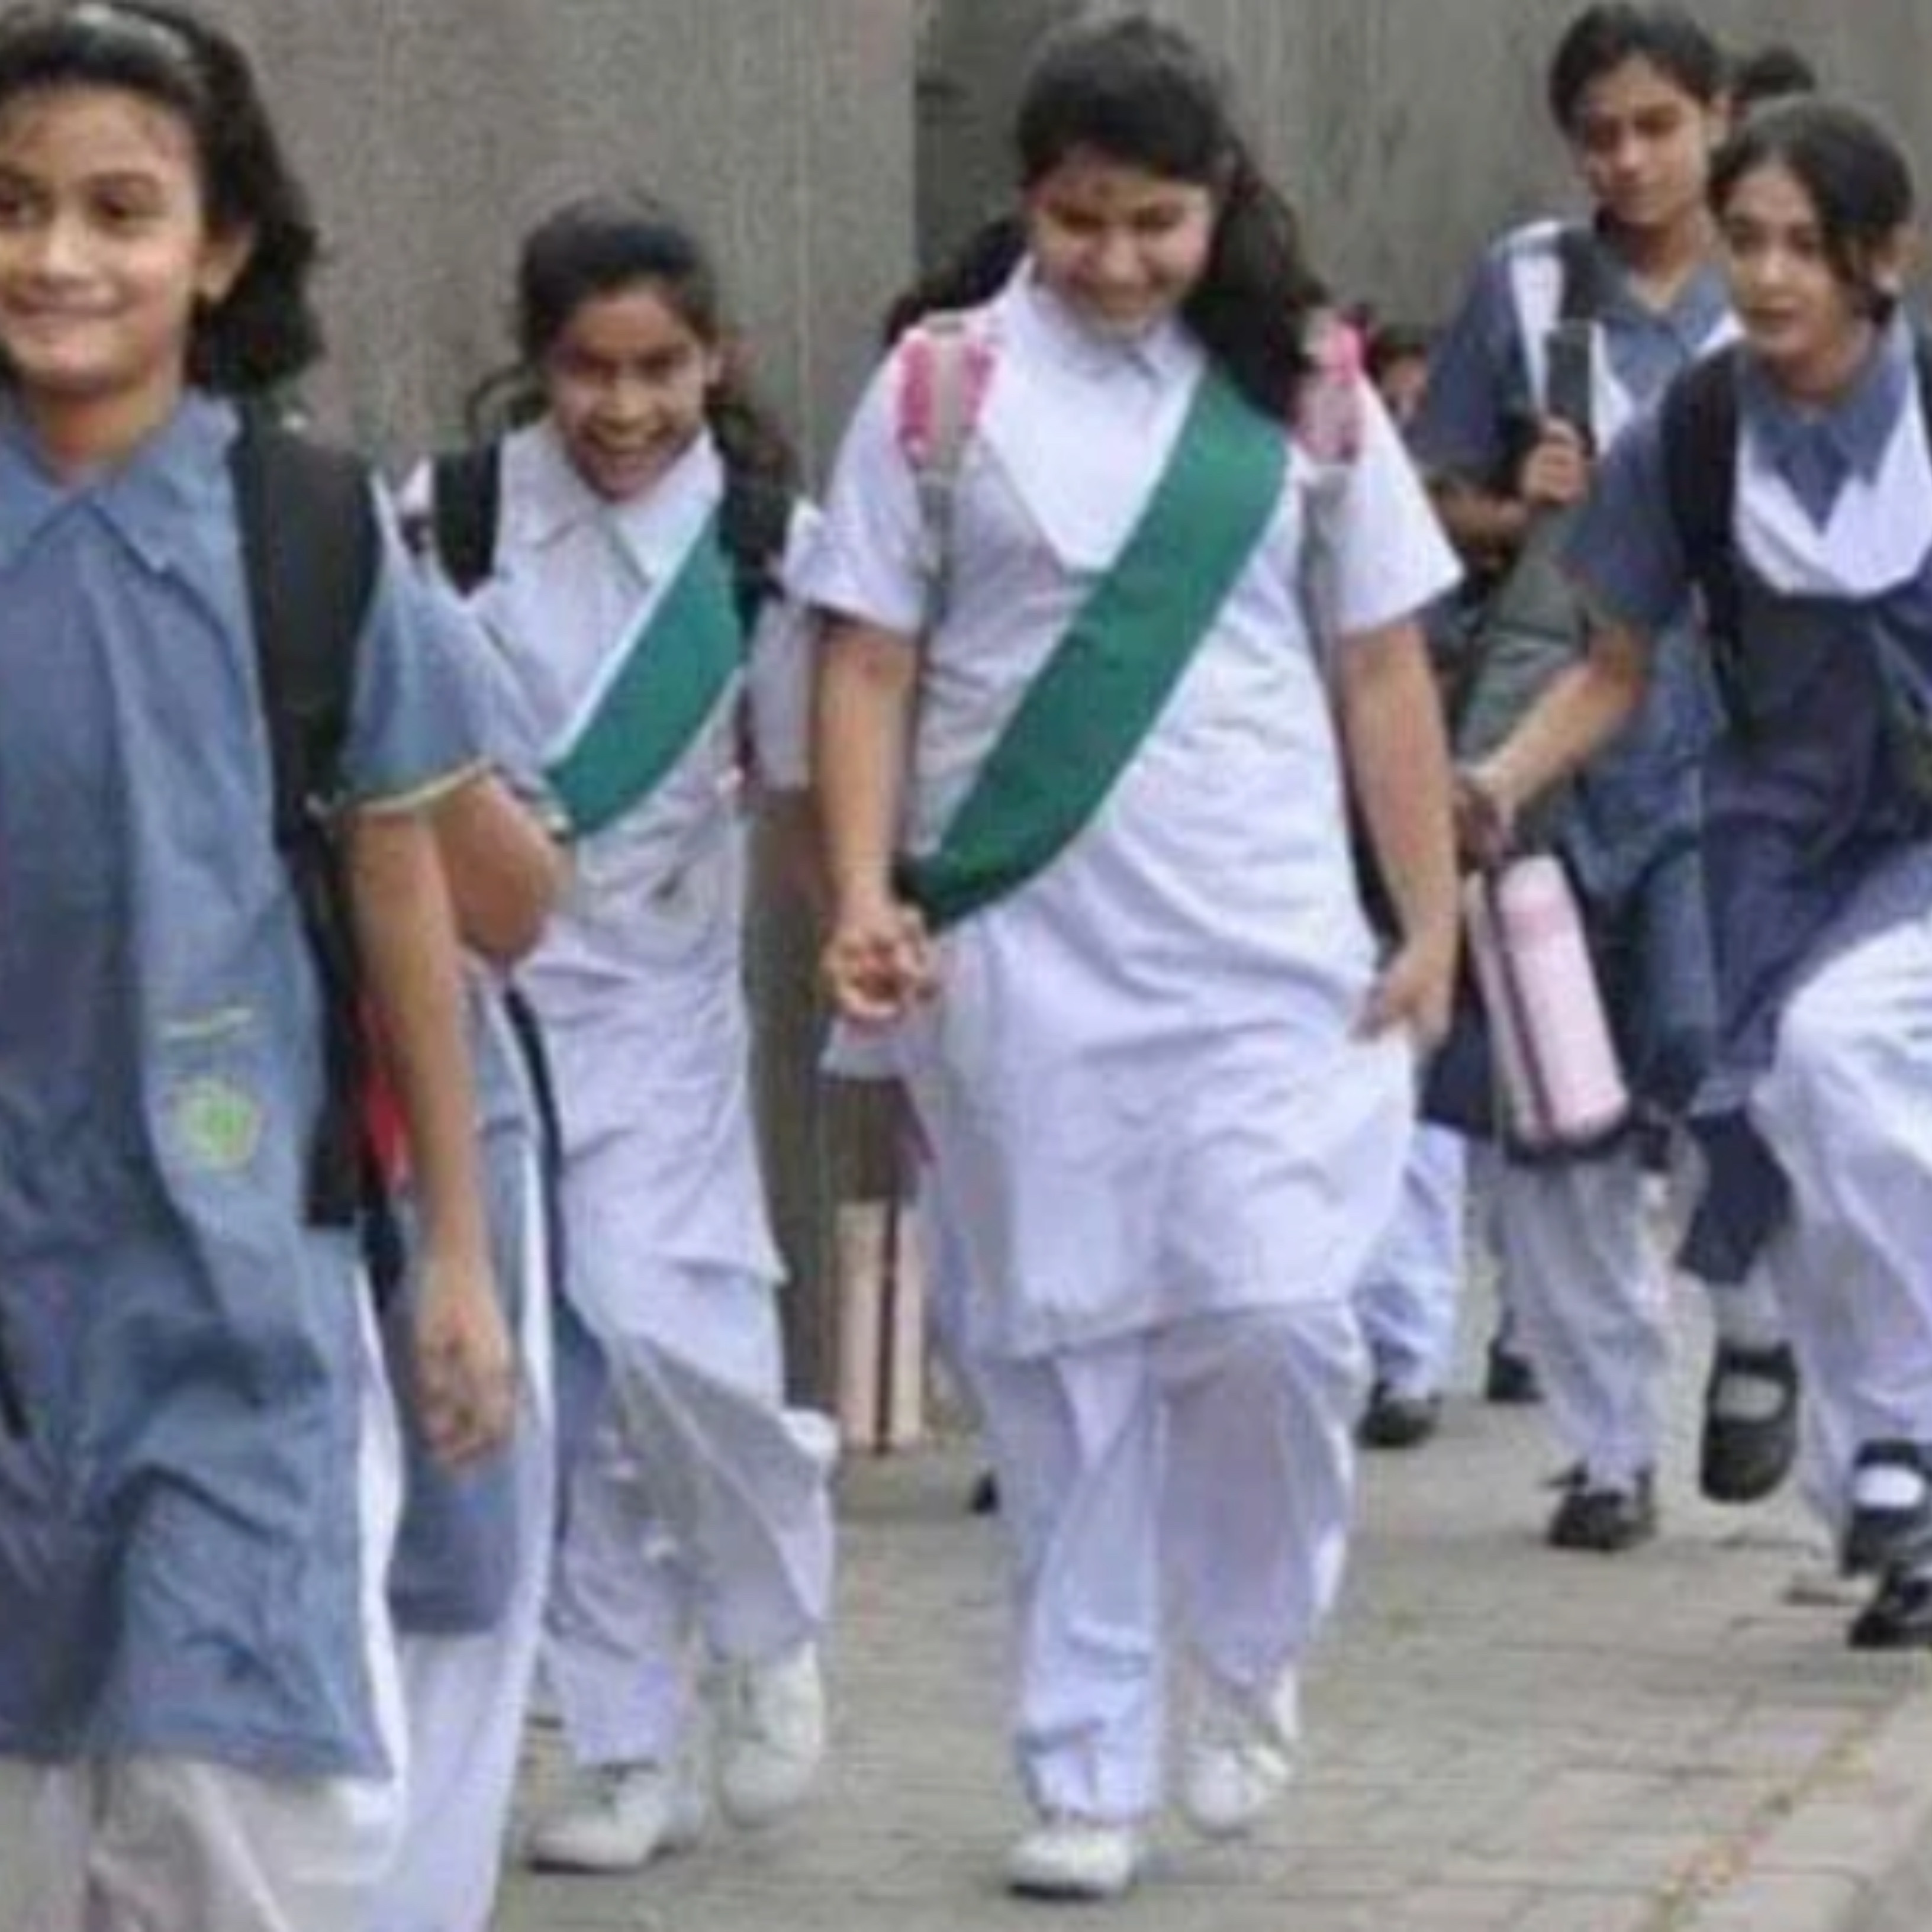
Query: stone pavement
column 1501, row 1738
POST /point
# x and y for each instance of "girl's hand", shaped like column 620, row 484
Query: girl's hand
column 466, row 1386
column 1556, row 472
column 878, row 964
column 1485, row 817
column 1416, row 990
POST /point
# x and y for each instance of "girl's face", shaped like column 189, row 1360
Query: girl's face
column 1805, row 323
column 626, row 382
column 1643, row 145
column 1122, row 248
column 105, row 253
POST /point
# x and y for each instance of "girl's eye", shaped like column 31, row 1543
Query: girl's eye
column 16, row 204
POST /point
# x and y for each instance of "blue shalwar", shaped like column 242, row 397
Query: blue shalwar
column 194, row 1660
column 1578, row 1263
column 1820, row 859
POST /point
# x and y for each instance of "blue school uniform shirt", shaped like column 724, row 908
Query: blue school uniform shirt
column 1639, row 800
column 1805, row 801
column 180, row 1564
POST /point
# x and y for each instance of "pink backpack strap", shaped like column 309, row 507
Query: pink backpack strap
column 1328, row 413
column 946, row 364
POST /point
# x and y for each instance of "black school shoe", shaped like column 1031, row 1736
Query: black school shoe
column 1878, row 1540
column 1509, row 1381
column 1899, row 1616
column 1743, row 1459
column 1394, row 1421
column 1603, row 1520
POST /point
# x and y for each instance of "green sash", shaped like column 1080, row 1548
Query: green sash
column 673, row 674
column 1099, row 694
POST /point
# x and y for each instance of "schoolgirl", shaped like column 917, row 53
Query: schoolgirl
column 1167, row 1083
column 641, row 518
column 1817, row 573
column 197, row 1476
column 1637, row 92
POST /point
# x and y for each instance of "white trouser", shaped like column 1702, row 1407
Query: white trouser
column 166, row 1844
column 701, row 1509
column 1586, row 1288
column 1409, row 1298
column 1208, row 1466
column 1847, row 1109
column 465, row 1696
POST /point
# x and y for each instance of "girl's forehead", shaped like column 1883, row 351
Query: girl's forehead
column 1092, row 175
column 1771, row 189
column 110, row 129
column 635, row 317
column 1637, row 84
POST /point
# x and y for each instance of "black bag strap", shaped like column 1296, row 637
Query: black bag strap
column 1580, row 269
column 466, row 503
column 1699, row 428
column 311, row 551
column 754, row 526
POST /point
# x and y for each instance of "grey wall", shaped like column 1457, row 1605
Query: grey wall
column 432, row 130
column 1406, row 130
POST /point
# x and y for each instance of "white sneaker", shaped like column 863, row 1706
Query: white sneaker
column 630, row 1814
column 1239, row 1755
column 1075, row 1857
column 770, row 1737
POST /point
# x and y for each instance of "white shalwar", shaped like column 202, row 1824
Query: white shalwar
column 130, row 1842
column 1409, row 1298
column 701, row 1512
column 1166, row 1151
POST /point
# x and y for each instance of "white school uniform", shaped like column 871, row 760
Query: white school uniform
column 1409, row 1298
column 703, row 1499
column 1156, row 1128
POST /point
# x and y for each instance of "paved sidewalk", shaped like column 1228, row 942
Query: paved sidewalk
column 1501, row 1738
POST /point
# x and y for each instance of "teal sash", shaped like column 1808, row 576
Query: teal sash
column 1102, row 691
column 675, row 672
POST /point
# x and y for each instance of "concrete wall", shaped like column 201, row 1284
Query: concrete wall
column 1405, row 132
column 432, row 130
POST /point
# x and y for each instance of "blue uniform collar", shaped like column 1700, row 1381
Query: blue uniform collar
column 1693, row 313
column 158, row 499
column 1856, row 431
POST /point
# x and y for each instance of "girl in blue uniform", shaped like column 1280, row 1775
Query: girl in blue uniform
column 1818, row 848
column 197, row 1469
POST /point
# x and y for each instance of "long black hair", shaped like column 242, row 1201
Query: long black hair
column 1858, row 179
column 602, row 245
column 1140, row 93
column 264, row 332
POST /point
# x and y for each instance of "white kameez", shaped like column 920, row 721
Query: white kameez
column 1165, row 1150
column 640, row 988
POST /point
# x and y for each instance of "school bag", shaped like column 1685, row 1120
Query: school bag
column 1699, row 427
column 311, row 551
column 1530, row 626
column 465, row 507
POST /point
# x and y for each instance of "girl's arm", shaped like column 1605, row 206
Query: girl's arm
column 878, row 961
column 505, row 873
column 1579, row 713
column 1398, row 757
column 406, row 928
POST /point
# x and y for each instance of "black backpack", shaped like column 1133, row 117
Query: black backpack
column 1699, row 426
column 466, row 505
column 311, row 553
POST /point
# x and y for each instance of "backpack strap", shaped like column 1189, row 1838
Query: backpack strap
column 311, row 549
column 946, row 364
column 466, row 503
column 1699, row 428
column 1328, row 408
column 754, row 519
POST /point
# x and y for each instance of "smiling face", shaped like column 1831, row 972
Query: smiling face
column 1643, row 143
column 626, row 381
column 1122, row 248
column 1806, row 321
column 106, row 252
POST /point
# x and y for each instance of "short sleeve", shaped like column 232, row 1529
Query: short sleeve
column 866, row 558
column 778, row 677
column 1384, row 556
column 1624, row 550
column 415, row 727
column 1476, row 390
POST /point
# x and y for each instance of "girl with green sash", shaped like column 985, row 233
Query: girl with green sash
column 1087, row 722
column 632, row 533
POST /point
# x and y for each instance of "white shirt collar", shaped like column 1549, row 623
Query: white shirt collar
column 1161, row 353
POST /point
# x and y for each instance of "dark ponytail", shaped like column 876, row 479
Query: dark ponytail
column 1141, row 94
